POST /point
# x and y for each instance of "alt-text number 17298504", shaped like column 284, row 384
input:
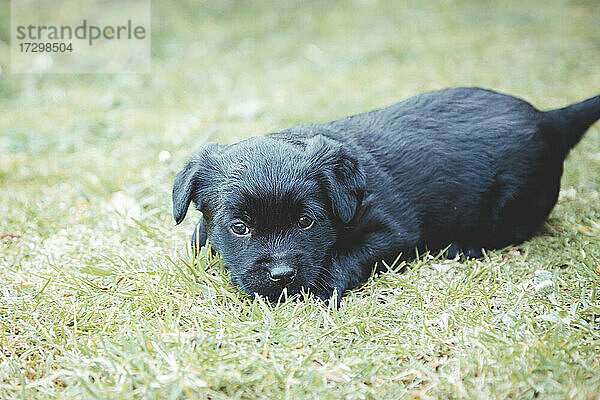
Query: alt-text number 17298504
column 45, row 47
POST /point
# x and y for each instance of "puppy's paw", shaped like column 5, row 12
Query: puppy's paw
column 335, row 297
column 472, row 252
column 452, row 251
column 199, row 237
column 469, row 251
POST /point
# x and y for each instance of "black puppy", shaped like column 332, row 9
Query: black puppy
column 316, row 206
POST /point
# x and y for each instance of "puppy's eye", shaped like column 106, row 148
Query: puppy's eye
column 305, row 222
column 239, row 229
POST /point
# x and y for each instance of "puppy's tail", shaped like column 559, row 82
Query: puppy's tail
column 574, row 120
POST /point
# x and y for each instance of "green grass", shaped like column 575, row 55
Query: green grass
column 93, row 304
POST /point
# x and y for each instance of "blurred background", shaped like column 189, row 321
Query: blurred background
column 225, row 70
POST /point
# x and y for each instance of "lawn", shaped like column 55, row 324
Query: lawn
column 100, row 298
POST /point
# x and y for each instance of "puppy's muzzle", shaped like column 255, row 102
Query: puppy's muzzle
column 282, row 273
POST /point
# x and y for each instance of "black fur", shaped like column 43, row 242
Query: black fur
column 467, row 168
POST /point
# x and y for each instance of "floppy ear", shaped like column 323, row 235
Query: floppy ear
column 190, row 181
column 340, row 173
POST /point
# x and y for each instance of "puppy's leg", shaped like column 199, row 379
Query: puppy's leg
column 199, row 236
column 352, row 266
column 332, row 280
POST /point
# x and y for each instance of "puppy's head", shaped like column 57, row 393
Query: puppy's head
column 273, row 209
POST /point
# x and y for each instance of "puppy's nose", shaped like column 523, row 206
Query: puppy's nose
column 283, row 274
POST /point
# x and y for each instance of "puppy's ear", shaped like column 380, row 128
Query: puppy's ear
column 197, row 174
column 340, row 173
